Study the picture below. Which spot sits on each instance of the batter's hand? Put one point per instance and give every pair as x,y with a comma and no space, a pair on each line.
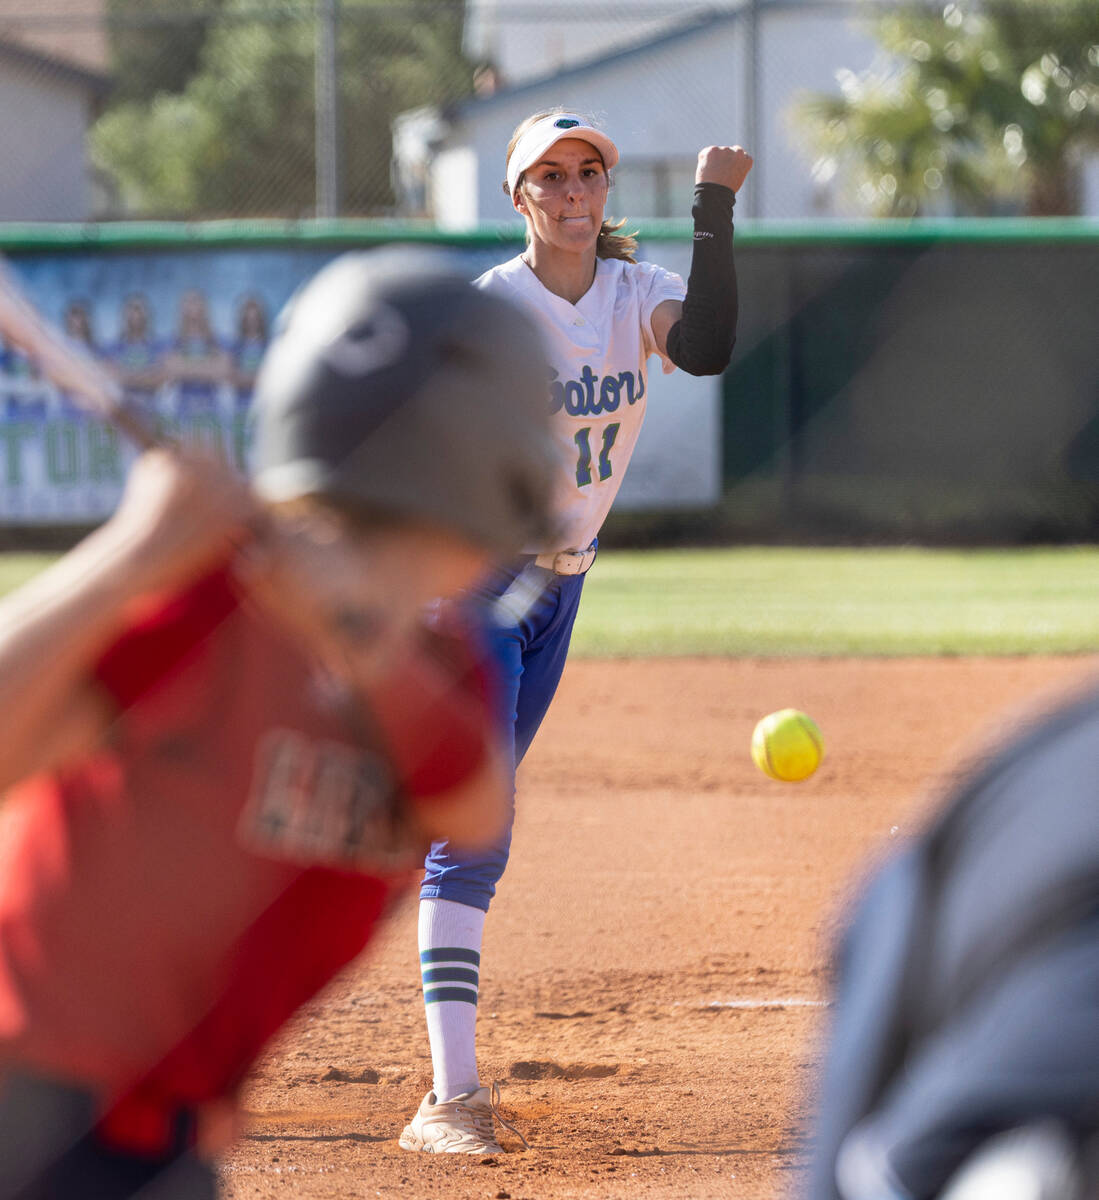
727,165
182,512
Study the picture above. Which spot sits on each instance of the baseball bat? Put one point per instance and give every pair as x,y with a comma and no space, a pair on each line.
517,601
67,364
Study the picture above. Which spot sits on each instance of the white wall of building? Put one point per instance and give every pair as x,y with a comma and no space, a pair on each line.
640,100
677,461
664,102
1089,186
800,52
43,120
455,188
525,40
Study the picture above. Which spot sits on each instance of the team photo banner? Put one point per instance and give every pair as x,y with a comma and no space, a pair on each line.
184,333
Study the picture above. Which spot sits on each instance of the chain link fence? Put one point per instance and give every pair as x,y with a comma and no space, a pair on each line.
884,385
116,109
224,109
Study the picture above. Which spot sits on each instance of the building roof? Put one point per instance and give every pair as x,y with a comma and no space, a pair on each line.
71,31
95,82
699,22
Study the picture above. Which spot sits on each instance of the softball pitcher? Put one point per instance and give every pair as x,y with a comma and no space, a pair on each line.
602,315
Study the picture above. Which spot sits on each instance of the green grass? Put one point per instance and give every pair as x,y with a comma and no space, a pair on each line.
766,602
18,568
779,601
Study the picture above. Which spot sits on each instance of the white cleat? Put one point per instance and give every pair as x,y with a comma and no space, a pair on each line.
464,1125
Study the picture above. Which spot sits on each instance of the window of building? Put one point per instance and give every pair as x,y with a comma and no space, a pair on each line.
652,188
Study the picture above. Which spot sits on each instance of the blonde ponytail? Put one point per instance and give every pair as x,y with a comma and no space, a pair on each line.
612,244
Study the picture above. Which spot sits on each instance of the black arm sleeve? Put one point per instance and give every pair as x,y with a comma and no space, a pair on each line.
701,341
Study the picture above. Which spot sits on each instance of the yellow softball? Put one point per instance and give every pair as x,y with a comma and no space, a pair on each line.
787,745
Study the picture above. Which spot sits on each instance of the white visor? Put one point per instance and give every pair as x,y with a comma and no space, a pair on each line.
533,144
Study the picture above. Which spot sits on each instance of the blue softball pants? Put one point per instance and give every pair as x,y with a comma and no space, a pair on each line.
530,656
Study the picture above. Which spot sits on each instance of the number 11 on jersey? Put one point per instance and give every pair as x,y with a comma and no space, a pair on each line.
582,439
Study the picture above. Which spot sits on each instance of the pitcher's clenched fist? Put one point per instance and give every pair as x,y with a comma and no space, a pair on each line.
727,165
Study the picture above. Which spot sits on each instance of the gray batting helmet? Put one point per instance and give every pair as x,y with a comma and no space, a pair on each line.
394,385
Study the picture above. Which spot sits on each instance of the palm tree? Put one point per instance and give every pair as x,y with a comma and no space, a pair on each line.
980,108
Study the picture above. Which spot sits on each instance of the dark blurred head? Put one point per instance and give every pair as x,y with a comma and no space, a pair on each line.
394,386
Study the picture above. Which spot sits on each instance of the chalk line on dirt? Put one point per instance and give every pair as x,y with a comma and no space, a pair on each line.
783,1002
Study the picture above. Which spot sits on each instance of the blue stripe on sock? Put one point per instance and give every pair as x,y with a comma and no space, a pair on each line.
451,975
450,954
435,995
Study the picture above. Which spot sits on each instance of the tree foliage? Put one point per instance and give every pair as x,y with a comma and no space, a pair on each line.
982,107
140,37
238,139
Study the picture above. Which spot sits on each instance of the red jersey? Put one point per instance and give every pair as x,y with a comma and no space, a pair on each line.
167,903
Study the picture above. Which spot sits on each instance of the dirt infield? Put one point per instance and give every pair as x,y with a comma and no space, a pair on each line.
654,965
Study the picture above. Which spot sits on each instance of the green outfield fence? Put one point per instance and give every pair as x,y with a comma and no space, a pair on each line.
929,381
22,237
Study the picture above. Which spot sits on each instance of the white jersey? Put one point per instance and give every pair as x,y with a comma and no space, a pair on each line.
598,350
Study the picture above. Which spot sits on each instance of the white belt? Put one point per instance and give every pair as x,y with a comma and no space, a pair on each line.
567,562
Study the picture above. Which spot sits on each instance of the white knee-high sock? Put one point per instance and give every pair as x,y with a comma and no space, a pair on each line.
450,963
